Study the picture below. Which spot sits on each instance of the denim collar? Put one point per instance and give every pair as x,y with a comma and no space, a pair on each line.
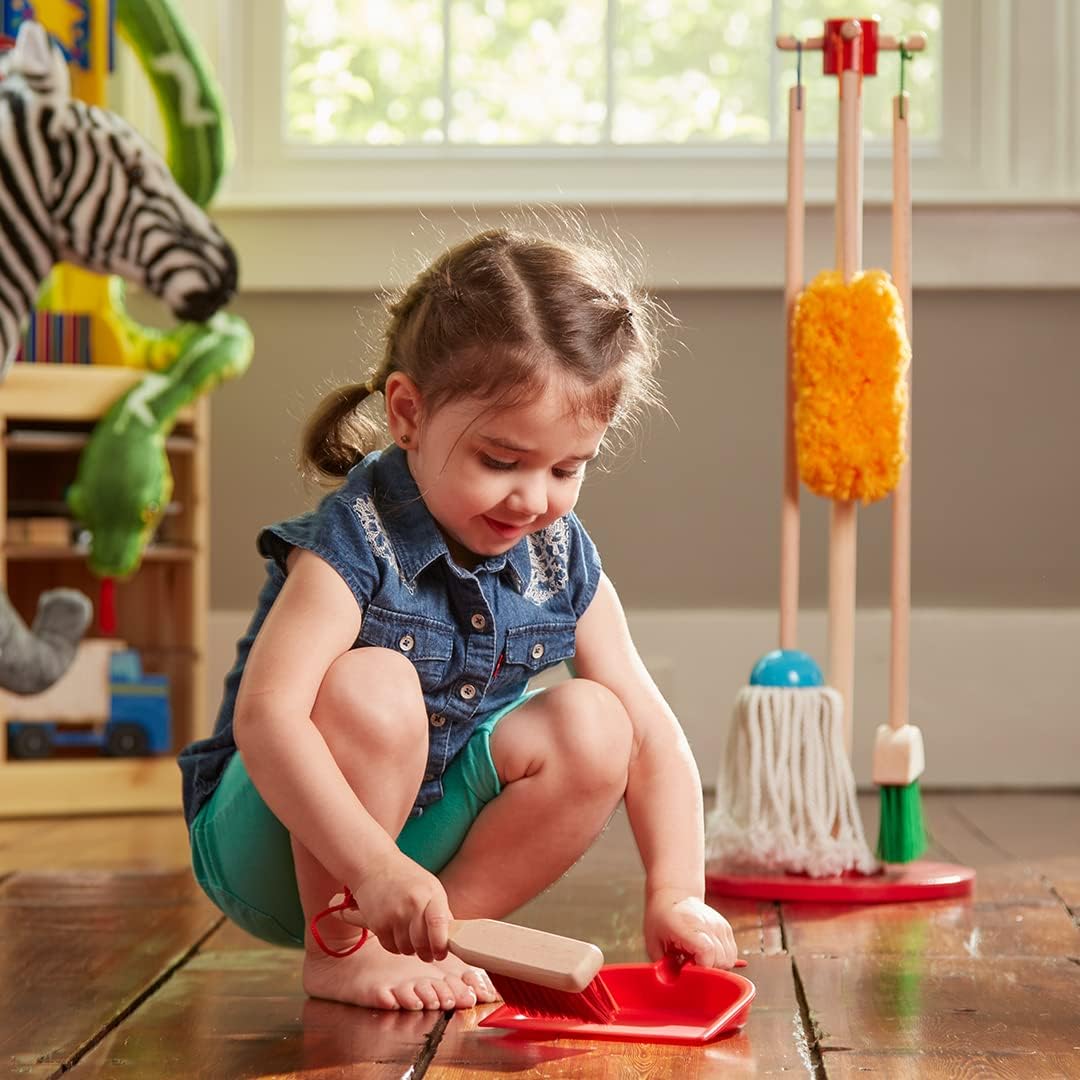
416,537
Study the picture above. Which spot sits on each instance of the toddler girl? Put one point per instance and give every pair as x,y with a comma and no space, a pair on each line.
387,741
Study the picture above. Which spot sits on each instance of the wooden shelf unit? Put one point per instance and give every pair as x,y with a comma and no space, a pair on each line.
46,415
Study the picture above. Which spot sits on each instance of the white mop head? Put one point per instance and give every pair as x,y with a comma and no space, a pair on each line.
899,757
785,795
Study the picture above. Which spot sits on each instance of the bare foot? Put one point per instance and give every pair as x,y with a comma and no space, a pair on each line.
379,979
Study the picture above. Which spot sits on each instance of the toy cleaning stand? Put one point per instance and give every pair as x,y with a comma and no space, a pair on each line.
786,824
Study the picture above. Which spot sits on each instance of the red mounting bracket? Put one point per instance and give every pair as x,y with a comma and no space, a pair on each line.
851,45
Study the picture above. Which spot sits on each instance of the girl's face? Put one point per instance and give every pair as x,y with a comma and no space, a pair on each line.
490,477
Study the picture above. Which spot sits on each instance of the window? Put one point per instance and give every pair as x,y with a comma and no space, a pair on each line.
489,102
576,73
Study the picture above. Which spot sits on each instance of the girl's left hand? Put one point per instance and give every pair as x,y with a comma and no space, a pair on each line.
684,924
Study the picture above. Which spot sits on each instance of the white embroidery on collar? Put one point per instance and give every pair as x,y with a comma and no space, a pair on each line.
549,556
375,531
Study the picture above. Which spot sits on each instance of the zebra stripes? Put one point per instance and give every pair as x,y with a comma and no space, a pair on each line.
26,249
78,184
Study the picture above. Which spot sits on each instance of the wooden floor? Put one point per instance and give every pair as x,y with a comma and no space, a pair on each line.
112,964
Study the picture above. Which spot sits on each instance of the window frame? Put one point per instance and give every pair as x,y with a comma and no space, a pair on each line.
996,204
270,168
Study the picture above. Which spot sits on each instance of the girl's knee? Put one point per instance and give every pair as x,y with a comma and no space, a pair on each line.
372,694
591,731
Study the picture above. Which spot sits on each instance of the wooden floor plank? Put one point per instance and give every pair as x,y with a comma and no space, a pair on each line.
228,937
1034,825
891,989
77,949
953,836
1025,1065
1013,913
899,1015
243,1013
765,1047
1063,877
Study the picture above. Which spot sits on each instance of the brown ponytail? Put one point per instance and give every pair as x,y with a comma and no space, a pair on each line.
337,435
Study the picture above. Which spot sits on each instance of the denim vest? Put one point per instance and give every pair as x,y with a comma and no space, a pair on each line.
475,637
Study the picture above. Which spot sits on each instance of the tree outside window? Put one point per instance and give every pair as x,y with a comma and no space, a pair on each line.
580,73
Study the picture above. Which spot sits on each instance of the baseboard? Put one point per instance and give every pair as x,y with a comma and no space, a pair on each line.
991,689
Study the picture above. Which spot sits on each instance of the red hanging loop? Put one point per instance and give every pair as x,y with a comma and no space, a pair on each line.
348,902
107,607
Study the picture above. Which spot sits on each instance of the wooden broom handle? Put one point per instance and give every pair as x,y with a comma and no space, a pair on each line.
842,519
793,283
900,634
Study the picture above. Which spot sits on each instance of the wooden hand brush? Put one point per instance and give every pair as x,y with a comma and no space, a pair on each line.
539,974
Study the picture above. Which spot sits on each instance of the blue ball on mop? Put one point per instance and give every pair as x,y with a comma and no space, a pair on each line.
789,668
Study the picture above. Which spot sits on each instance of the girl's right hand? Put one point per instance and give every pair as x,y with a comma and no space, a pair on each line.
404,906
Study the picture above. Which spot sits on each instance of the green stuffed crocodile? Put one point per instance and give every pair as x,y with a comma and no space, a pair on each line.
123,483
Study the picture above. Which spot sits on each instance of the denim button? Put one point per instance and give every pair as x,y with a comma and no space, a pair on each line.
468,691
406,643
478,621
437,719
538,650
428,777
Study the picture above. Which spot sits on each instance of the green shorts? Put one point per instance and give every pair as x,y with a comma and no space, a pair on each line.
242,855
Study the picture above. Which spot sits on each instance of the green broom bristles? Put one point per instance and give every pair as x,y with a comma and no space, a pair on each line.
902,836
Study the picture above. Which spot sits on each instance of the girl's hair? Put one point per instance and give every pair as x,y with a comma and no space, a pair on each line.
496,317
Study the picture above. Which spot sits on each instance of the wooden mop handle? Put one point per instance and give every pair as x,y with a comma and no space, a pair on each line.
850,48
843,532
793,283
900,634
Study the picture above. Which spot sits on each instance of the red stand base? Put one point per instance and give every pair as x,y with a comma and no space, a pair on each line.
895,883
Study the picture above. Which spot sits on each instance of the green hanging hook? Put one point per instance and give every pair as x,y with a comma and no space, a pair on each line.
905,56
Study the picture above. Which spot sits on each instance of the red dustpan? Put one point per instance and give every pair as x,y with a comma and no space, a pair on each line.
699,1005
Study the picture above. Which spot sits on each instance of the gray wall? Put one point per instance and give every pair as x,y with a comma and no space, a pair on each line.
688,516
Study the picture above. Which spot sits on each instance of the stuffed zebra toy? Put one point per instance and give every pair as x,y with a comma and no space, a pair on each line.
78,184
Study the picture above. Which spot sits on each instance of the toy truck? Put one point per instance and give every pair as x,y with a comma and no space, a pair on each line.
104,701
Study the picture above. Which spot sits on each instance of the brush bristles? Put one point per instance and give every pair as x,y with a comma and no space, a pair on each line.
593,1005
902,836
